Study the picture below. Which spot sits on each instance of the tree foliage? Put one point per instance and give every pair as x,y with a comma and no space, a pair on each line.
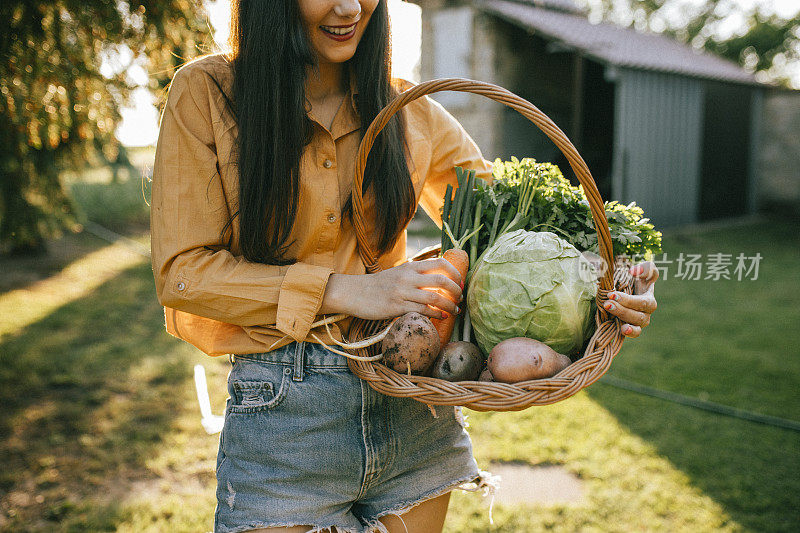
766,44
60,101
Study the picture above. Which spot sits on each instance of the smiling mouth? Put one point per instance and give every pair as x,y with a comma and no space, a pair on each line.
338,31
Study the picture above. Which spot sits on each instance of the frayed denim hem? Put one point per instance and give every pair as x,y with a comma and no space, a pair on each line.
484,480
314,529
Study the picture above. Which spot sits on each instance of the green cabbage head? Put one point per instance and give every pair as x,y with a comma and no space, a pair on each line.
535,285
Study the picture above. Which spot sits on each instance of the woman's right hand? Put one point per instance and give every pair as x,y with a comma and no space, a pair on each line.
426,286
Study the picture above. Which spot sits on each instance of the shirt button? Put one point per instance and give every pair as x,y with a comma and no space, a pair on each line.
331,218
327,163
181,286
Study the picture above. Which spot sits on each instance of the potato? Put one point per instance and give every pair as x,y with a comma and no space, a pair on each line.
486,376
412,340
521,359
458,361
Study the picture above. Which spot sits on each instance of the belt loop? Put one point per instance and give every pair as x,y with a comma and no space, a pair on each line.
299,354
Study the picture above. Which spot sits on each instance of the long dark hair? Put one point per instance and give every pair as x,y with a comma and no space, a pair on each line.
269,56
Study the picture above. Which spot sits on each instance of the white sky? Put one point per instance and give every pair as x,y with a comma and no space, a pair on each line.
735,21
140,123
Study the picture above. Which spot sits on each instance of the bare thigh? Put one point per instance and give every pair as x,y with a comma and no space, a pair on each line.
427,517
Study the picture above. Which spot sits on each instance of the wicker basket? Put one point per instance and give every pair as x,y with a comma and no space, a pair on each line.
480,395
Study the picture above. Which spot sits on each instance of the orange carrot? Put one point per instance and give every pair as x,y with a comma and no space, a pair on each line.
459,259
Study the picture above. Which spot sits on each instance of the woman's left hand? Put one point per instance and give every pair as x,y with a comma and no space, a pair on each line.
635,309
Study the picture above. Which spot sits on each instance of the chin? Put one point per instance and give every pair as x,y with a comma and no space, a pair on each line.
339,57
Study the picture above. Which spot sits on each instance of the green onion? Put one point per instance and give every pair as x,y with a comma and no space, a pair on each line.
455,216
448,204
496,220
466,209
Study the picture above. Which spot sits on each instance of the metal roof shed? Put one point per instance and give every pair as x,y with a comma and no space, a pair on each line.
683,126
673,149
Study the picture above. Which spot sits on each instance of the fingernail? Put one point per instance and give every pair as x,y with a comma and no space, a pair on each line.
626,329
458,310
609,306
612,295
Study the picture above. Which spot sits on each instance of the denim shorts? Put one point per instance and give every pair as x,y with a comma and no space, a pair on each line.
306,442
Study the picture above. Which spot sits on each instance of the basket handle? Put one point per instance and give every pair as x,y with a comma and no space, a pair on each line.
526,109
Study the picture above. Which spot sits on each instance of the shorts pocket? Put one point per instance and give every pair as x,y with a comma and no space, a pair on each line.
257,395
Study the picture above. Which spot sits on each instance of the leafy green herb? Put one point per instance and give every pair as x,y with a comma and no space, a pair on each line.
549,202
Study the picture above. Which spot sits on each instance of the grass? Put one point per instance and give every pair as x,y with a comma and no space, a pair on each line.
655,466
733,342
120,204
100,428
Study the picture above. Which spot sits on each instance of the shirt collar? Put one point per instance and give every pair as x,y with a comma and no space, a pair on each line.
347,118
351,119
353,89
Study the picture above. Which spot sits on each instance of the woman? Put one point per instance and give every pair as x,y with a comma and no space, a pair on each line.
252,241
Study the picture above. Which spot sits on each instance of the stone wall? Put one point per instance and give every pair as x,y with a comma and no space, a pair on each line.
779,153
479,115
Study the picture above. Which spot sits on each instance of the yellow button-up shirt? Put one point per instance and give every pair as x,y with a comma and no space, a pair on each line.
213,297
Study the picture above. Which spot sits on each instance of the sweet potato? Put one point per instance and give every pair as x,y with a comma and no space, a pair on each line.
412,342
521,359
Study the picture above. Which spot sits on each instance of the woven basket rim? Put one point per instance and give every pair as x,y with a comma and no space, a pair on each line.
600,349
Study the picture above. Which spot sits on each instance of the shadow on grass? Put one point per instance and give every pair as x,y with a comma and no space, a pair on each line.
731,342
22,272
753,471
88,394
120,206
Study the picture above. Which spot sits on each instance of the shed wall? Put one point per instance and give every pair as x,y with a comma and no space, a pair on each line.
479,115
778,150
725,171
657,140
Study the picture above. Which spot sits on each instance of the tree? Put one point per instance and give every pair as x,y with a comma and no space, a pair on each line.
767,44
59,101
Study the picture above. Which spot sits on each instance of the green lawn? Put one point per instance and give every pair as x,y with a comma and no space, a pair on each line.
121,204
100,428
655,466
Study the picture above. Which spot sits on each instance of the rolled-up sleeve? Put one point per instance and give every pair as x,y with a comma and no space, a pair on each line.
302,290
451,146
194,272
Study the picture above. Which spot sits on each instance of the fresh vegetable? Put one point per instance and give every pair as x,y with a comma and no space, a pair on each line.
444,326
459,259
457,230
557,205
411,344
534,295
520,359
458,210
486,375
458,361
536,285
